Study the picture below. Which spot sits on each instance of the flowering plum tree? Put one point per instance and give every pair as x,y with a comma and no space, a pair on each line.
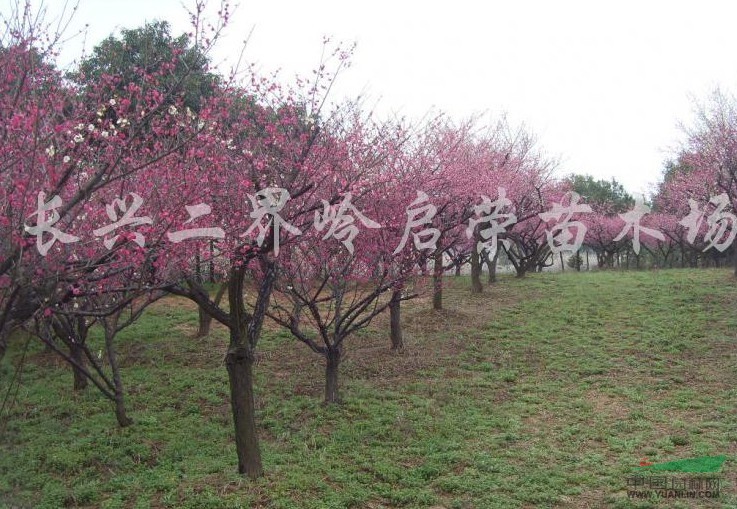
359,257
528,247
601,230
706,171
65,152
264,180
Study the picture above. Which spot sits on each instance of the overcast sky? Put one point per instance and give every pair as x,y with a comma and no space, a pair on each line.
602,85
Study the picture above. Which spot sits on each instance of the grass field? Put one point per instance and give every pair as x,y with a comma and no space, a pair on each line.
542,392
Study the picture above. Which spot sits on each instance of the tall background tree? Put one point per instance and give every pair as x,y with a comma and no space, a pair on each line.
151,50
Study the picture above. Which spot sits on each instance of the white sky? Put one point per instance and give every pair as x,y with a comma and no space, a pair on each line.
603,85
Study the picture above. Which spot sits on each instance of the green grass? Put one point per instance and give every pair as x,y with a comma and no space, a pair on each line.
542,392
704,464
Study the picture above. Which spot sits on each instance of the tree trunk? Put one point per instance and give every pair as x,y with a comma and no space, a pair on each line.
4,340
332,364
239,362
587,260
72,333
120,414
395,321
734,259
5,326
437,280
476,286
198,269
491,266
211,268
76,352
458,269
205,320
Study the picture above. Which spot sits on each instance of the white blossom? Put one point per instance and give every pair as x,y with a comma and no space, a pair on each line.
78,138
